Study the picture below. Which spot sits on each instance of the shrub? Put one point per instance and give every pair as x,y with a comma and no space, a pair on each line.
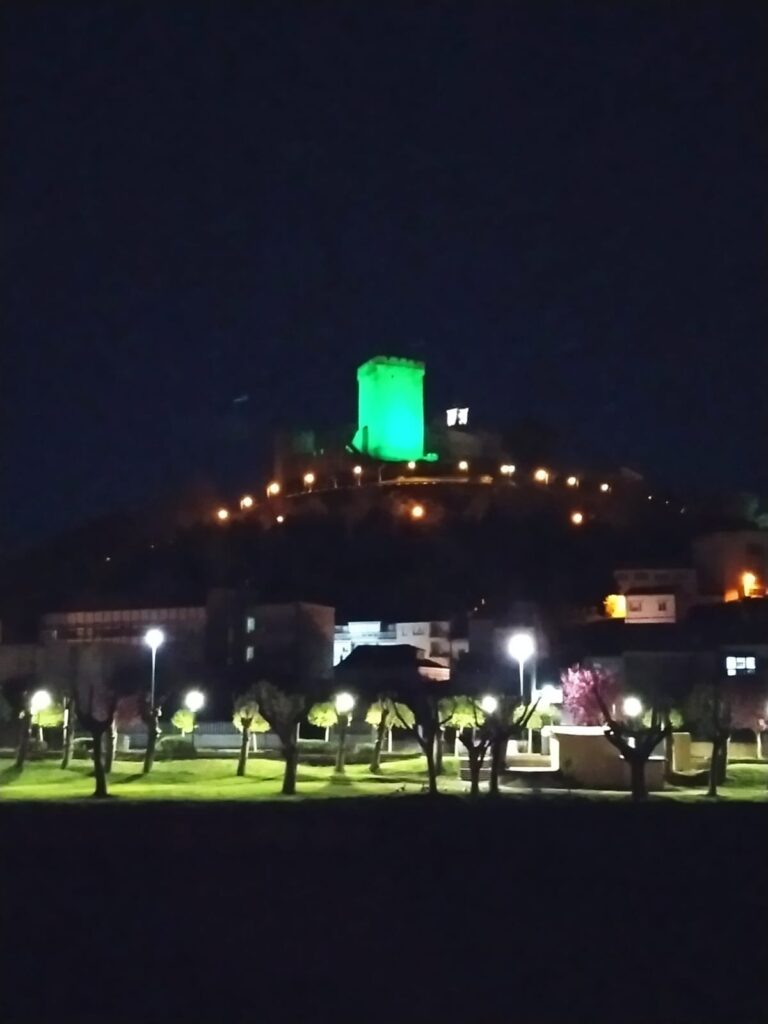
173,748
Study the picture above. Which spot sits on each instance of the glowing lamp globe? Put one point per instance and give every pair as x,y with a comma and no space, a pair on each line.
154,638
40,701
489,704
194,700
632,707
344,702
521,646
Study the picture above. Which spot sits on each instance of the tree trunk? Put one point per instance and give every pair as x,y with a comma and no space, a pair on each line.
25,729
714,767
429,754
497,761
69,733
439,752
759,745
341,750
376,756
152,734
637,778
669,755
243,759
100,775
291,752
475,764
111,743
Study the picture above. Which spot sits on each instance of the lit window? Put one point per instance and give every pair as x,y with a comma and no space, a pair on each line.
451,417
249,653
250,624
736,665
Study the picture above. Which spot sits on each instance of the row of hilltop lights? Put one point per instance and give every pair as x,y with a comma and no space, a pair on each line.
417,512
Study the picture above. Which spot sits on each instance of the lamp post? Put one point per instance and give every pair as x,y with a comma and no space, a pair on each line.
521,647
344,703
154,639
194,701
40,700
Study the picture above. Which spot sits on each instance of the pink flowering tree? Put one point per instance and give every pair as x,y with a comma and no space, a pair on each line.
581,687
591,696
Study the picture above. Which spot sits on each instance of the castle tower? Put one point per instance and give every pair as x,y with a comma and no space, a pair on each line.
390,409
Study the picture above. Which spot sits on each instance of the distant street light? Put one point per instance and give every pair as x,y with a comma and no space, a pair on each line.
279,519
154,638
463,466
194,701
541,476
358,471
417,512
246,501
309,479
489,704
572,481
632,707
273,489
40,700
605,488
222,514
521,647
411,464
344,704
577,518
507,469
551,694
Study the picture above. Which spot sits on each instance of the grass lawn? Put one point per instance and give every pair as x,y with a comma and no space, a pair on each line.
214,779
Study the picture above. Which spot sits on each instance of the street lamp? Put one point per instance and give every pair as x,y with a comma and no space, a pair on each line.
541,476
309,479
577,518
463,466
417,512
521,646
604,487
273,489
358,471
632,707
411,464
194,701
507,469
246,501
489,704
222,514
344,703
154,638
572,481
40,700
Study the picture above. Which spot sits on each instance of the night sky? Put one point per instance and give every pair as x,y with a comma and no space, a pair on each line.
560,207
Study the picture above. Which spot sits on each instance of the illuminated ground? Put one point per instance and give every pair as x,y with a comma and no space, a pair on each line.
215,779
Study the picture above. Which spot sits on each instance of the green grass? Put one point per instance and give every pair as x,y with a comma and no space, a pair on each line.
215,779
212,779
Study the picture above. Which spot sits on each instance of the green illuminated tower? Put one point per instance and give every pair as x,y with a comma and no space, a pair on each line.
390,419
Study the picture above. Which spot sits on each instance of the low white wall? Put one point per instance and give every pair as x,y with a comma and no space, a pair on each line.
584,757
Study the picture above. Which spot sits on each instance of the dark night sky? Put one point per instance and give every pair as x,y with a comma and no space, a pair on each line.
561,207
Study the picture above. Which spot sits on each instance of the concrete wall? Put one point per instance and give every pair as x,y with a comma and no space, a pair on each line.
584,757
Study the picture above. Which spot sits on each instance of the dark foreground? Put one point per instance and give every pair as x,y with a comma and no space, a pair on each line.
385,910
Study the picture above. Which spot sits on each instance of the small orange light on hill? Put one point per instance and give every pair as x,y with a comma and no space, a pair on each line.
577,518
572,481
463,466
279,519
222,515
541,476
273,489
417,512
411,464
605,488
246,501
